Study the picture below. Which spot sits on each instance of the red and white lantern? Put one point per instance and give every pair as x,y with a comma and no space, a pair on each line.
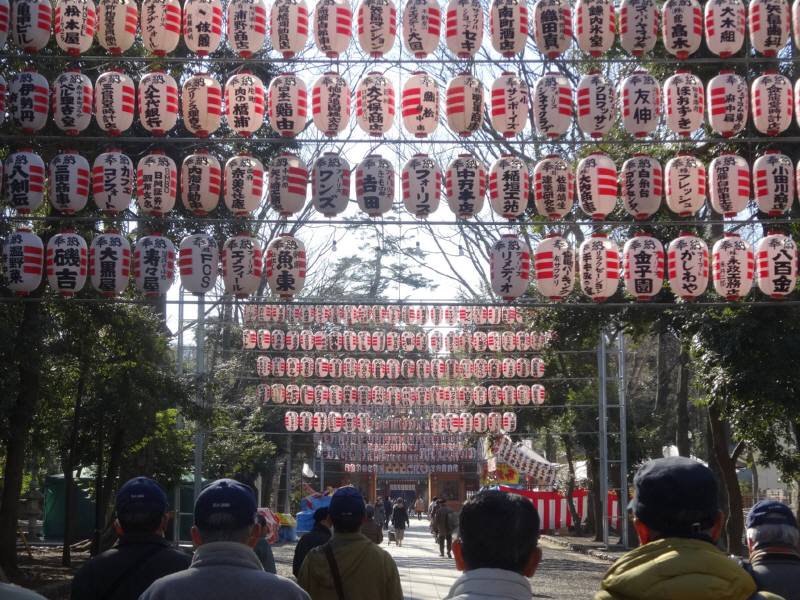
733,266
375,106
330,103
641,186
117,21
769,25
330,184
333,26
725,24
596,184
201,181
109,263
422,23
729,184
510,104
69,182
375,185
599,267
595,25
288,104
774,180
422,184
554,265
73,97
75,24
23,254
242,266
30,24
464,104
686,184
112,182
198,261
552,27
465,186
681,27
161,25
23,180
288,26
641,103
776,255
377,26
552,104
66,261
509,421
420,104
114,101
201,104
684,99
158,102
154,265
29,95
244,103
291,420
687,266
244,184
464,31
638,26
202,26
156,184
508,26
509,267
288,183
247,26
643,266
509,186
553,187
728,105
771,99
286,265
596,102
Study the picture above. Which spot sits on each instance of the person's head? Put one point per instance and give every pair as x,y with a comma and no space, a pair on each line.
225,511
498,531
347,510
370,512
323,517
141,507
771,523
675,497
441,501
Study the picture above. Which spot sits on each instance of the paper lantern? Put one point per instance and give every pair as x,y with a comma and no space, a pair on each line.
154,265
509,421
333,26
465,186
244,103
377,26
733,266
244,184
599,267
201,181
66,263
278,339
796,23
465,104
727,103
247,26
686,184
771,99
420,104
288,26
552,27
330,184
776,256
161,25
769,25
28,99
201,104
773,177
112,182
509,266
288,180
109,263
30,24
641,103
375,185
596,105
23,254
684,96
725,25
681,27
643,266
202,26
158,102
641,186
116,24
729,184
638,26
198,261
508,26
114,100
69,182
75,23
375,104
509,186
595,26
330,103
23,180
554,266
291,420
286,265
510,104
596,184
552,105
422,22
537,368
687,266
73,97
241,266
464,30
156,183
422,183
250,342
288,104
494,422
553,187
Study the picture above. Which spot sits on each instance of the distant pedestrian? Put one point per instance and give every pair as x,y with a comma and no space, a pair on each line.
400,520
224,564
263,548
380,514
444,527
142,554
497,548
370,528
419,507
432,517
319,534
387,511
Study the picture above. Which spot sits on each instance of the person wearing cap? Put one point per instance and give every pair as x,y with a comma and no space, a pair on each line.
224,564
400,520
319,534
497,548
773,540
370,528
677,518
140,556
349,566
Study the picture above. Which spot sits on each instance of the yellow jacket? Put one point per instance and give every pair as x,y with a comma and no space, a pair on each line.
678,569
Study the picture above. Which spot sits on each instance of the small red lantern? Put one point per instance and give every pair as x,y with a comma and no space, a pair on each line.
198,261
333,26
420,104
465,104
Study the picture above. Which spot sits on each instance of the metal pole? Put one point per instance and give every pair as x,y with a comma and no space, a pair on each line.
623,440
287,505
176,501
200,434
321,468
602,433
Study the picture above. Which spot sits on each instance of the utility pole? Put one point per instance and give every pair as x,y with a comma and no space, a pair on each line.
623,439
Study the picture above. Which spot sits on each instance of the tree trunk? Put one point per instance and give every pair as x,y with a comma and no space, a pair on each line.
576,519
596,501
682,428
69,465
98,495
734,525
754,471
662,381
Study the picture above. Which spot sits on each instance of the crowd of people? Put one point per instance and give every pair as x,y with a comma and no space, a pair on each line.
675,514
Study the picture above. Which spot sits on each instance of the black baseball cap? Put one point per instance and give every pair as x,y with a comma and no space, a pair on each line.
228,497
141,494
770,512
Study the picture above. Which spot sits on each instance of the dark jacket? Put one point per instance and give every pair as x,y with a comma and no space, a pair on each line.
400,517
263,551
444,525
316,537
372,531
128,569
776,570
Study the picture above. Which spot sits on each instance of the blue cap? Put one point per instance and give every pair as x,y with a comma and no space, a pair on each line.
347,503
234,502
141,494
770,512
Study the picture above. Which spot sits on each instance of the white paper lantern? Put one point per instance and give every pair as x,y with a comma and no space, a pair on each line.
422,184
288,104
28,100
599,267
769,25
725,26
552,104
114,101
465,186
509,186
377,26
596,105
330,103
641,186
508,26
638,26
375,185
286,265
23,180
242,266
684,99
422,22
75,23
375,105
154,265
244,184
554,266
247,26
198,261
510,104
288,183
509,267
686,184
727,103
552,27
643,266
69,182
201,181
30,24
109,263
330,184
776,257
464,27
161,25
774,182
595,25
73,97
681,27
733,267
156,184
112,182
687,266
553,187
244,103
464,104
117,21
420,104
641,103
23,261
333,26
158,102
729,184
596,184
66,262
771,99
201,104
288,26
202,26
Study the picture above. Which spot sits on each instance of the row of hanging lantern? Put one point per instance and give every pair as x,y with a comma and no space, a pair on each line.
108,262
643,265
402,468
393,442
349,422
427,455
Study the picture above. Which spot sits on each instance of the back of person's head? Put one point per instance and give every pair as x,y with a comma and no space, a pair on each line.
347,510
772,524
140,506
370,511
498,531
320,515
225,511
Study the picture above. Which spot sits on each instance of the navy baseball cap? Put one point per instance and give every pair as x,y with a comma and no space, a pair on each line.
347,503
141,494
770,512
234,501
675,495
